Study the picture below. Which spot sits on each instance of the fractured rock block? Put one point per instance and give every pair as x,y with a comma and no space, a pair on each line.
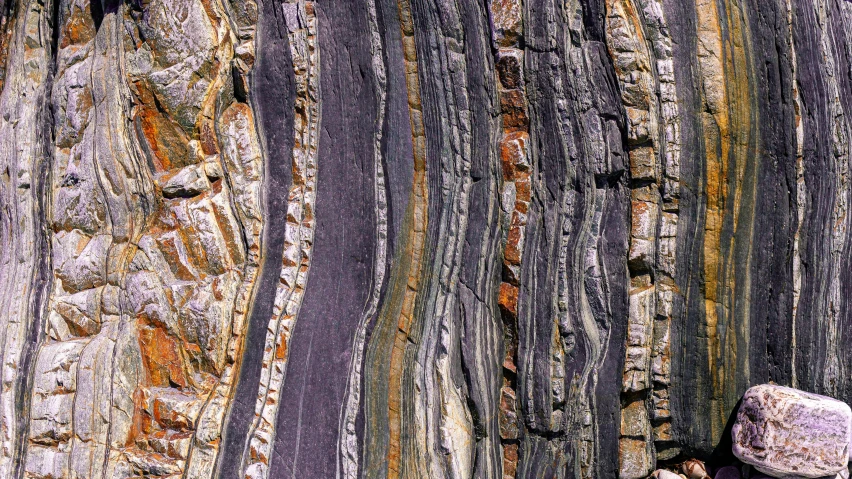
785,432
639,336
636,460
185,183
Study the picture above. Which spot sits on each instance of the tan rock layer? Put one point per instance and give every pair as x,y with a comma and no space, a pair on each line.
26,59
404,297
641,52
147,302
728,131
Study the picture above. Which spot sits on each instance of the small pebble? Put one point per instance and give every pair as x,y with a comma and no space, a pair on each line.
664,474
694,469
729,472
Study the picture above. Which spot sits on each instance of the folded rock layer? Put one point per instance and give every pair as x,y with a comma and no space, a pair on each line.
414,238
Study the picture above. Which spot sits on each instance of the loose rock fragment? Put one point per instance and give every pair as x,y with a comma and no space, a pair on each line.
186,183
694,469
785,432
664,474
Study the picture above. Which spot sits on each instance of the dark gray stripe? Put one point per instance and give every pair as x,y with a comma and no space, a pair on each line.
273,96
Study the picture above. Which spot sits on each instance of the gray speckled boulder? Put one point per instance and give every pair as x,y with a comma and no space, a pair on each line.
785,432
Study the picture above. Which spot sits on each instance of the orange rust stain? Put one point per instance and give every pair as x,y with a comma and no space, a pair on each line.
212,13
508,298
523,192
143,423
78,29
281,350
508,165
514,110
167,417
512,253
168,143
221,215
5,37
510,460
513,154
162,358
507,17
258,456
640,211
170,250
516,171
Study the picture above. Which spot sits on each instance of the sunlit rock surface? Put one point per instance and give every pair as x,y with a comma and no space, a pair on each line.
785,432
414,238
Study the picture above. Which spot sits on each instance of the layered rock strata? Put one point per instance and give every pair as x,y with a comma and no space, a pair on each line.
414,238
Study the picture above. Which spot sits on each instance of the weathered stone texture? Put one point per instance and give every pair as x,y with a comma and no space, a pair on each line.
414,238
785,432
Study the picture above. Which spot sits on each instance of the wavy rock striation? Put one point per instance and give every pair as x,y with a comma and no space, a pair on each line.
414,238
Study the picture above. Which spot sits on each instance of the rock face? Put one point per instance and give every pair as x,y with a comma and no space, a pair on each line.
785,432
414,238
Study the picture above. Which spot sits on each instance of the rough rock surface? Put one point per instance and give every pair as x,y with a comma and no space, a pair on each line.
728,472
414,238
785,432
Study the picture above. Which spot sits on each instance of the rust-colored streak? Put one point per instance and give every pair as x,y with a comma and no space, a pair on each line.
162,358
416,221
514,111
7,26
507,23
79,29
727,125
168,144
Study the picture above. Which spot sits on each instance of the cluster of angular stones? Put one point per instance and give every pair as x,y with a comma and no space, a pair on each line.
641,49
145,312
515,196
